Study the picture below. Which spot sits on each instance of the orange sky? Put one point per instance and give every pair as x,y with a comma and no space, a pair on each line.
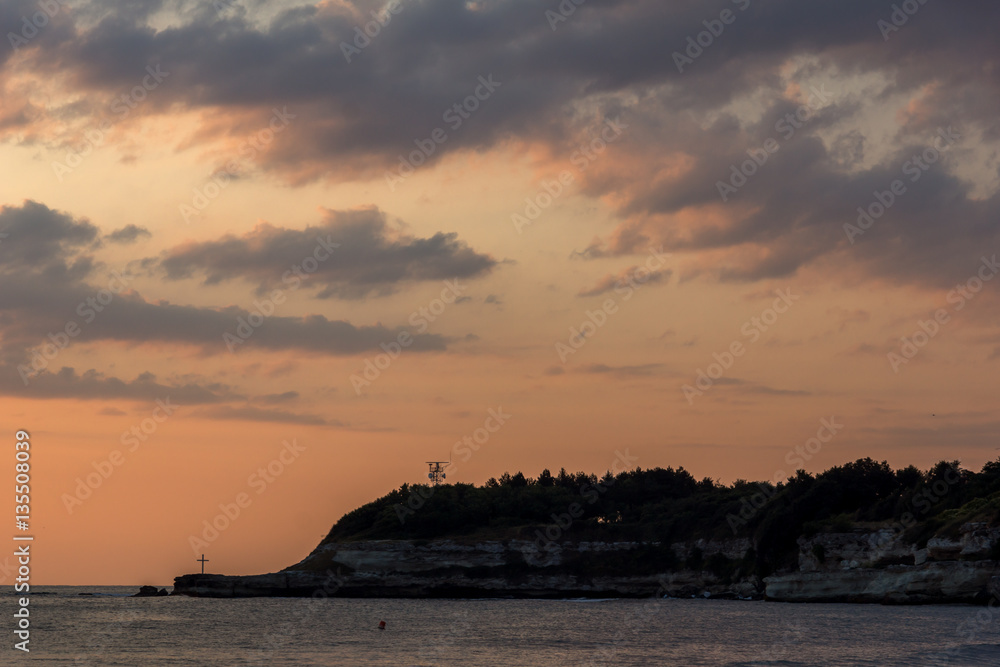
635,239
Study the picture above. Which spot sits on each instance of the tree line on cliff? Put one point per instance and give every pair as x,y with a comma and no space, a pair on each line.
658,505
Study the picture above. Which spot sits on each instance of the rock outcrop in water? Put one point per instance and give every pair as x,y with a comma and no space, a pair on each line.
855,533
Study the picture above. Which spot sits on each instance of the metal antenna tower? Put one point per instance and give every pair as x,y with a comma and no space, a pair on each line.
436,471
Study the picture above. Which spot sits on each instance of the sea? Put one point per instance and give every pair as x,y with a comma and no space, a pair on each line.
81,625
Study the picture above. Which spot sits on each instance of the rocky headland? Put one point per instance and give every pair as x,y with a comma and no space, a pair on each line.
873,567
859,533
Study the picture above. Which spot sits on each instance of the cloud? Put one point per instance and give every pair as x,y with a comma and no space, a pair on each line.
56,275
772,391
745,387
111,412
277,398
633,275
353,254
94,385
864,349
45,242
889,95
625,371
52,280
230,413
128,234
847,317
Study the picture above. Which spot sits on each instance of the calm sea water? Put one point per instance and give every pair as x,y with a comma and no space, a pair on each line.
110,629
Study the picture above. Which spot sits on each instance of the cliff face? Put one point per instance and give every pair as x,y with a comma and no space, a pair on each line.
936,583
861,566
879,566
448,568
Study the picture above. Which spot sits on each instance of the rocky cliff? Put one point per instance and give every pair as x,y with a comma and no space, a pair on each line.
857,566
511,568
880,566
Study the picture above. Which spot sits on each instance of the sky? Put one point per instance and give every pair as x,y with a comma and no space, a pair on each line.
261,262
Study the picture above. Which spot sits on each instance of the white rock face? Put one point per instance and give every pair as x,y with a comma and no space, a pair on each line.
878,566
399,568
862,566
941,582
848,551
734,549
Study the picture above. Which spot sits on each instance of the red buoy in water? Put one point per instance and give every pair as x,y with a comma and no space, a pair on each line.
381,625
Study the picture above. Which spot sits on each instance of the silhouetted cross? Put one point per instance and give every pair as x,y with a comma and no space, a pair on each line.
202,560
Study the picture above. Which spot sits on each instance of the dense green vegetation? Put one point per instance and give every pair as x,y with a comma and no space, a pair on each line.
666,505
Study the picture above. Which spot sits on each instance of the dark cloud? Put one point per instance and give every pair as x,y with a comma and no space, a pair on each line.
43,242
227,412
351,254
772,391
626,371
277,398
848,317
128,234
745,387
137,320
93,385
355,119
52,281
624,279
